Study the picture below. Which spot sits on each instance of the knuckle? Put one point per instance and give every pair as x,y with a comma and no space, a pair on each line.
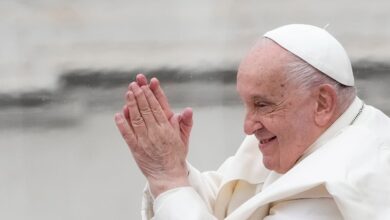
148,93
159,94
131,104
138,93
137,121
145,111
127,136
155,110
129,139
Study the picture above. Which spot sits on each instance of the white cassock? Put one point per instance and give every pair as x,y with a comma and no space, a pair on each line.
345,174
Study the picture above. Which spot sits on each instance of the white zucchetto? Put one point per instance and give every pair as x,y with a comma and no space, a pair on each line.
317,47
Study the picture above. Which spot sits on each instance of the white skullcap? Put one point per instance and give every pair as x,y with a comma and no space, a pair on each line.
317,47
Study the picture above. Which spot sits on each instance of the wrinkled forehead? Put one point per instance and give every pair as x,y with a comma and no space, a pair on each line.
266,62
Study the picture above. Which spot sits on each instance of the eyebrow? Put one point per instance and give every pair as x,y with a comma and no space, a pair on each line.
259,97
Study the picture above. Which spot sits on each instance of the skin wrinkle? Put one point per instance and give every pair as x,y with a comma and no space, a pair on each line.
287,108
157,138
287,113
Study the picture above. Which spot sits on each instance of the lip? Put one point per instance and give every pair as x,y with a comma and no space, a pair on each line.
265,144
266,140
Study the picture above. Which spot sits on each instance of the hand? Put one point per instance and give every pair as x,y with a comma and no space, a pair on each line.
154,141
185,118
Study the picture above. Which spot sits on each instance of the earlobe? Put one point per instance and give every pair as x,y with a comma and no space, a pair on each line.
326,105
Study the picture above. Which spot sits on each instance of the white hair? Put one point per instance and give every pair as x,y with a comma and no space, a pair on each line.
306,77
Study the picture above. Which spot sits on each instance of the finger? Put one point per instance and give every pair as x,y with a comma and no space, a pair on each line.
143,105
160,96
136,120
186,123
126,131
141,80
125,112
127,92
187,117
155,106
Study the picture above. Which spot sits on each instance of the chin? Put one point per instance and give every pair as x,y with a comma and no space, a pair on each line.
269,164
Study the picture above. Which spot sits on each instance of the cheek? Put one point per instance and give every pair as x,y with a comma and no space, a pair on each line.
299,130
298,136
277,123
304,123
292,131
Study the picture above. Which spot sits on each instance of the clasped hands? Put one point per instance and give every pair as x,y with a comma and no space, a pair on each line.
157,138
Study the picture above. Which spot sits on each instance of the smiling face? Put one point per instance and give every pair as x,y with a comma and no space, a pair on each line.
278,113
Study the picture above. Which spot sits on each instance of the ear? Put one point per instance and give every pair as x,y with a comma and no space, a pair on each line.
325,105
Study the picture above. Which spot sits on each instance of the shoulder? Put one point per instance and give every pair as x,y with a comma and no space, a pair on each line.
362,160
376,121
354,168
355,148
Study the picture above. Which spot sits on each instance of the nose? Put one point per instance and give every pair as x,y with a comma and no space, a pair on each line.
251,124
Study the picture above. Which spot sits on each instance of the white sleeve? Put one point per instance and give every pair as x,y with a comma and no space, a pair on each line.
181,203
204,189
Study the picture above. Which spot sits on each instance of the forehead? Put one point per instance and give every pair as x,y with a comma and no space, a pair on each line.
263,69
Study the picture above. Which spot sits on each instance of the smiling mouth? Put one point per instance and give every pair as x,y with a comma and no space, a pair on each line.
264,141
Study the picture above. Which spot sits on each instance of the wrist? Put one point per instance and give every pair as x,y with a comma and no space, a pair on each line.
160,185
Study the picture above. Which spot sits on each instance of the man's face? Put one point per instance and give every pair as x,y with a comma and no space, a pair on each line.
279,114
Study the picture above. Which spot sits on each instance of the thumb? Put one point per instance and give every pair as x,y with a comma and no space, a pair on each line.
186,121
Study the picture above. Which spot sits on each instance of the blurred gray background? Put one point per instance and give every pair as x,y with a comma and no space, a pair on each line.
65,65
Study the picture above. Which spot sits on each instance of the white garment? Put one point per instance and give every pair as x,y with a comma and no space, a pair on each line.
345,174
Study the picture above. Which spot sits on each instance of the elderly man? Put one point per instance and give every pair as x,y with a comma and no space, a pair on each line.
314,150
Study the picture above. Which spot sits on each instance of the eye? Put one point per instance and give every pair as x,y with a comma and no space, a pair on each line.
263,107
261,104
